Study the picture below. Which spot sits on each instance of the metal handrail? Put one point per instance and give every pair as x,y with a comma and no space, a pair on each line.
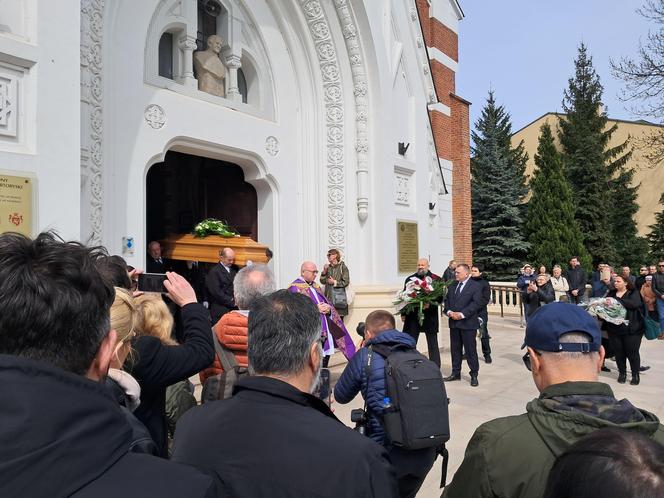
507,296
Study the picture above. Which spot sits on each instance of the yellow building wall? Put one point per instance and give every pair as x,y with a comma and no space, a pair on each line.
650,177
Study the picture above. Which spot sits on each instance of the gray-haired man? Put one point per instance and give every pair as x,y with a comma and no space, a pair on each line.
251,282
512,456
267,439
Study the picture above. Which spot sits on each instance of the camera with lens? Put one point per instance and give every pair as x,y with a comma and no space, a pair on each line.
360,329
359,416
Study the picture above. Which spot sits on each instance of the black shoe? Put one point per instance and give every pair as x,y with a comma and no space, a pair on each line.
605,369
452,377
635,379
487,359
473,381
622,378
644,368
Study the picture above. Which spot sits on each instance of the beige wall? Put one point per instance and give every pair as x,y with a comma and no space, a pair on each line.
650,178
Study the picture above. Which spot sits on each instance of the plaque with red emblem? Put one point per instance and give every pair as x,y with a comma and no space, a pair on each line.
16,204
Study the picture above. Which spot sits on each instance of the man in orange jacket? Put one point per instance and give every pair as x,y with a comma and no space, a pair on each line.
250,283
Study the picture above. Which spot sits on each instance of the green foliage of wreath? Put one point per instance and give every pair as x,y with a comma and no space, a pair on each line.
212,226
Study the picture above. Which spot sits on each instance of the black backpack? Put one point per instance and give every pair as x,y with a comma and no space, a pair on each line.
418,416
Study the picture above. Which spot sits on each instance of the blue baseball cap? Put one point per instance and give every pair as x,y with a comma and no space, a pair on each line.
549,322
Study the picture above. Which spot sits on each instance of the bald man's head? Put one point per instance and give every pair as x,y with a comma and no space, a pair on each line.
309,271
227,256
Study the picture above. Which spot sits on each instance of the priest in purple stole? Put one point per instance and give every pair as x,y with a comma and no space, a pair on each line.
334,331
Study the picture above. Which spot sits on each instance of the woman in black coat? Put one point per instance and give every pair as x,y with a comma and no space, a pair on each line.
158,365
538,293
626,339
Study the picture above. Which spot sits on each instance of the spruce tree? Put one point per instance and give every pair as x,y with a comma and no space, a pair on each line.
498,189
630,249
552,231
656,235
591,165
520,161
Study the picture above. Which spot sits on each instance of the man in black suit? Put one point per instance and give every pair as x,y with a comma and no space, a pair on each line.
429,326
219,285
155,263
463,302
483,314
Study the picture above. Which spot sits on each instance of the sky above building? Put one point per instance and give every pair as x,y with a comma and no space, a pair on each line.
524,51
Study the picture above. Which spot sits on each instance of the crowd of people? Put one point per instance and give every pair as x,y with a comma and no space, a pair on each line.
97,402
641,297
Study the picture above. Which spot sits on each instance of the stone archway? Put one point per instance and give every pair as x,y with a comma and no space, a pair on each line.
185,189
329,129
237,186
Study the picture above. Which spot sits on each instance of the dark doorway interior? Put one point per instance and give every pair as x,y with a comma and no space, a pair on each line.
186,189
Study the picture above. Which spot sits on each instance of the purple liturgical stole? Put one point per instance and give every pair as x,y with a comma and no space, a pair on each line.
333,328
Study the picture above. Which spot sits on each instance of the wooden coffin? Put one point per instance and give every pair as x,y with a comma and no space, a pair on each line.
189,248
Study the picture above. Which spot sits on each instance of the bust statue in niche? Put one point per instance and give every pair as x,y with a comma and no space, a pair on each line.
210,71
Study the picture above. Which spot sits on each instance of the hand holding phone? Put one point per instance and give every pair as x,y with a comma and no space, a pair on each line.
179,290
152,282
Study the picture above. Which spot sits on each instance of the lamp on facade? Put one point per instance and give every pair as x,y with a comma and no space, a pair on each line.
403,148
212,7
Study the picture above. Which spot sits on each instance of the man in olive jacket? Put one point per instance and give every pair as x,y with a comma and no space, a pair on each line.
512,456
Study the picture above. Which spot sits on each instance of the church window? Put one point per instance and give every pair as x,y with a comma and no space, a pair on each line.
242,85
208,12
166,55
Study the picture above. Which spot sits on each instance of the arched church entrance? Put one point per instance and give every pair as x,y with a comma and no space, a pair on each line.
185,189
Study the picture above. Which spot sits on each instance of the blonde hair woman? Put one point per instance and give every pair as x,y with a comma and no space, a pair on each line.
154,318
124,388
161,362
123,321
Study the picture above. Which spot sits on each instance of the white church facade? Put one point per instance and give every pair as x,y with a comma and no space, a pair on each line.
327,132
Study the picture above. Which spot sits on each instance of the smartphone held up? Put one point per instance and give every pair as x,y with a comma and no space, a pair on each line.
152,282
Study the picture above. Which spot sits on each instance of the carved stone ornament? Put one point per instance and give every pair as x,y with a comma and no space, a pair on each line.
402,190
335,134
422,55
437,187
155,116
360,92
92,29
8,104
272,145
331,76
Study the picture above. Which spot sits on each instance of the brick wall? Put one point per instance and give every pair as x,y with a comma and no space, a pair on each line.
441,125
436,34
444,81
461,194
451,133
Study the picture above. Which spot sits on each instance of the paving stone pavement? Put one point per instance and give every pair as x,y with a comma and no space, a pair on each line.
506,386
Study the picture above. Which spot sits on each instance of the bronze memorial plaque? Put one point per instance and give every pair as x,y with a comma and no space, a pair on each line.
16,204
407,247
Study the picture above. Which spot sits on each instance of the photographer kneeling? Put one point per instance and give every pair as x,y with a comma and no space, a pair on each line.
368,377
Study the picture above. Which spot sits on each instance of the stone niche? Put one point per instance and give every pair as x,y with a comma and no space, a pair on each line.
234,69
